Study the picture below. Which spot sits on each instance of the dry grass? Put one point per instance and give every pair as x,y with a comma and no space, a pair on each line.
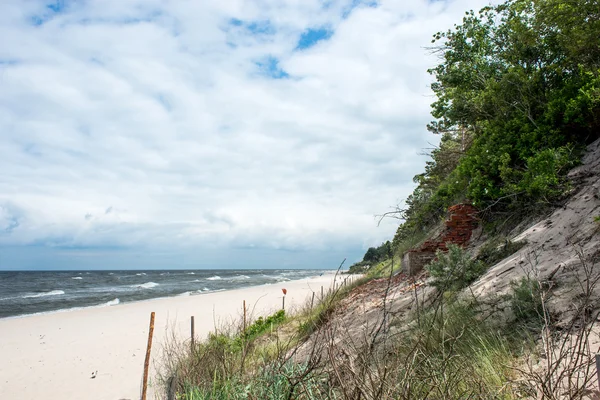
454,347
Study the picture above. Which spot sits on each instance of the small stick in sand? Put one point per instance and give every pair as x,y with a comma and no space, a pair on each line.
284,293
147,361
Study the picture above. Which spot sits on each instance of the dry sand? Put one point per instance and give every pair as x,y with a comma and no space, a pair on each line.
52,356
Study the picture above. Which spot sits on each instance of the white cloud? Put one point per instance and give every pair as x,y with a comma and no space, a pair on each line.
158,111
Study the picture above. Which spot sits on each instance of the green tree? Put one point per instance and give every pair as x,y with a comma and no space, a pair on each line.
517,94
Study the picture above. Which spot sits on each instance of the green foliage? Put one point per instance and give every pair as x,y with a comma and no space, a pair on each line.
451,353
262,325
373,256
517,97
269,384
498,249
526,303
454,269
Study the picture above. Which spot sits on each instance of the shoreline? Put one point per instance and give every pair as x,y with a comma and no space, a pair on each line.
144,291
52,355
121,303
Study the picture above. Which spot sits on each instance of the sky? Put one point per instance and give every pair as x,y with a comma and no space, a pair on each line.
210,134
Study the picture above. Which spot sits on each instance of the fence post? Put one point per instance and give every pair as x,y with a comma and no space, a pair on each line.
321,293
312,301
192,328
244,315
147,361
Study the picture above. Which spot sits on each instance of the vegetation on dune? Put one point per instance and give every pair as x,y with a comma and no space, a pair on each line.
457,346
454,270
372,257
518,94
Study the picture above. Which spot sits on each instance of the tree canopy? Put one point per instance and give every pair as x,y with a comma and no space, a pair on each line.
517,96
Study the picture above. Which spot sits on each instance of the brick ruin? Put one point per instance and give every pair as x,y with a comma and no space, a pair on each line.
459,229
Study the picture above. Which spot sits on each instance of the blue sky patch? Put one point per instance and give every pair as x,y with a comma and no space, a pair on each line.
8,62
51,9
164,102
358,3
270,67
56,6
254,27
310,37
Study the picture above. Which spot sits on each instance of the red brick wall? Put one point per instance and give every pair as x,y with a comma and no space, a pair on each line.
459,228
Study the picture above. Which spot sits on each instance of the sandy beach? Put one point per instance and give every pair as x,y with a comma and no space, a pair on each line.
53,356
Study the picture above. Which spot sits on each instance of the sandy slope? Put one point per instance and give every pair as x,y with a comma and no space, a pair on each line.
52,356
556,243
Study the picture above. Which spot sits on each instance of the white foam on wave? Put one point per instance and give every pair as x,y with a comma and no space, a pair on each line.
113,302
147,285
51,293
191,273
184,294
213,278
76,277
141,274
240,277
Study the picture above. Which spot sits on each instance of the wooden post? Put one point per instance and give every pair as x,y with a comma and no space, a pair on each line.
283,305
312,301
192,328
244,315
147,361
321,293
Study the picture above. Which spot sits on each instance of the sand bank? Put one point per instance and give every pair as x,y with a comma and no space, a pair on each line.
53,356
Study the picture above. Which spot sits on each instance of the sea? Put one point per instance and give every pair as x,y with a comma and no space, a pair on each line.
34,292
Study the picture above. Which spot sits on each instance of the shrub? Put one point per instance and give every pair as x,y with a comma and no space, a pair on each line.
263,324
498,249
526,303
454,270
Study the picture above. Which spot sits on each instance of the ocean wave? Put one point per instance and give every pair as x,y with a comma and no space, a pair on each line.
51,293
196,280
191,273
76,277
147,285
113,302
239,277
214,278
141,274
